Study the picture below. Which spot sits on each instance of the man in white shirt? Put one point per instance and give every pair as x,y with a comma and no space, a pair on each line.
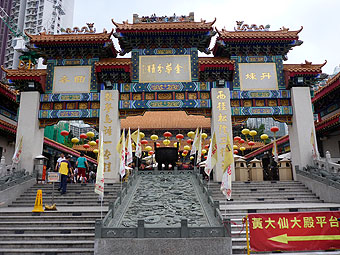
62,157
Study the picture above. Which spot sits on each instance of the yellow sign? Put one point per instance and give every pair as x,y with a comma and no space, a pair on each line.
38,206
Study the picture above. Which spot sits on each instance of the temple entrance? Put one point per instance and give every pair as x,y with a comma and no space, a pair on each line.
245,78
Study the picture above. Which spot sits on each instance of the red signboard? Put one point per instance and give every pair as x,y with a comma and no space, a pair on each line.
294,231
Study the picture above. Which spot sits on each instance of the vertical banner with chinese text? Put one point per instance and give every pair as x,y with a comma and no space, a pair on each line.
109,124
294,231
221,125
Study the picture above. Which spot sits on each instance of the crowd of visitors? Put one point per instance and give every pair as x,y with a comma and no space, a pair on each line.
72,171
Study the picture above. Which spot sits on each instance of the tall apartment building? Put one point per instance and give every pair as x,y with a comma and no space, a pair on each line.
36,16
7,6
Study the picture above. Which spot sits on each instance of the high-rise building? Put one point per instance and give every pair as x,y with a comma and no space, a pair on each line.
34,16
7,6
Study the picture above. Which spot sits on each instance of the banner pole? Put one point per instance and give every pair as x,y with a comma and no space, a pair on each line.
247,236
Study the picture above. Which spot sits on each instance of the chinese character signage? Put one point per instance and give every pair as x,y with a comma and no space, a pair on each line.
294,231
108,127
165,68
72,79
258,76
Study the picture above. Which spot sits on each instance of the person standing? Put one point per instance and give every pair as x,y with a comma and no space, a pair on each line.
61,157
82,166
64,169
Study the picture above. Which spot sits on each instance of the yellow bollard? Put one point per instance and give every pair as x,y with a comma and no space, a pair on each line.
38,205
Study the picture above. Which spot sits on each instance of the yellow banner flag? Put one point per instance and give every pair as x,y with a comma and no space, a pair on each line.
120,143
228,155
134,136
195,143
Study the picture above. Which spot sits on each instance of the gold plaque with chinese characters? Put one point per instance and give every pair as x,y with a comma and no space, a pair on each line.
72,79
258,76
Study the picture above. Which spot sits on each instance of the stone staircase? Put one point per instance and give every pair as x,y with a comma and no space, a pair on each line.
69,230
266,197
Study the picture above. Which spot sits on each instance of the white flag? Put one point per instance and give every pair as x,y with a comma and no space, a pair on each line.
193,147
99,187
129,156
226,183
212,156
17,153
199,147
122,156
138,152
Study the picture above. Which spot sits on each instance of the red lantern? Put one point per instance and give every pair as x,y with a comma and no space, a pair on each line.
235,151
97,141
86,146
185,152
251,143
150,153
158,144
206,146
189,141
167,134
179,136
144,142
237,138
83,136
241,141
274,129
205,157
64,133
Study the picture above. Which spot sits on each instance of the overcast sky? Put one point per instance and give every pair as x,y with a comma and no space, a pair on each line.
320,19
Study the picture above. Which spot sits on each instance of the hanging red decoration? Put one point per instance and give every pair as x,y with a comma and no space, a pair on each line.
167,134
179,136
83,136
144,142
274,129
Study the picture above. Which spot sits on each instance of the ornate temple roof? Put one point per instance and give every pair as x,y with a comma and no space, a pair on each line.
220,61
108,63
165,120
307,67
5,126
328,123
163,26
283,34
75,37
331,84
9,93
25,74
253,40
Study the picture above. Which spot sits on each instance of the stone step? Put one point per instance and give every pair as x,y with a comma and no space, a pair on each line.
47,244
77,236
59,251
58,197
70,203
48,218
269,200
48,223
46,229
19,212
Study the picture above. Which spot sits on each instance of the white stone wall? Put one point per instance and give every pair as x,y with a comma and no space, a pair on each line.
301,128
28,128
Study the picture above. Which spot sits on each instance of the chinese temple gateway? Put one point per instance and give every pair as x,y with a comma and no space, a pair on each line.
86,80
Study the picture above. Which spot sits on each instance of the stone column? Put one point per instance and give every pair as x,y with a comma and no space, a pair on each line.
301,129
221,125
109,124
28,129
